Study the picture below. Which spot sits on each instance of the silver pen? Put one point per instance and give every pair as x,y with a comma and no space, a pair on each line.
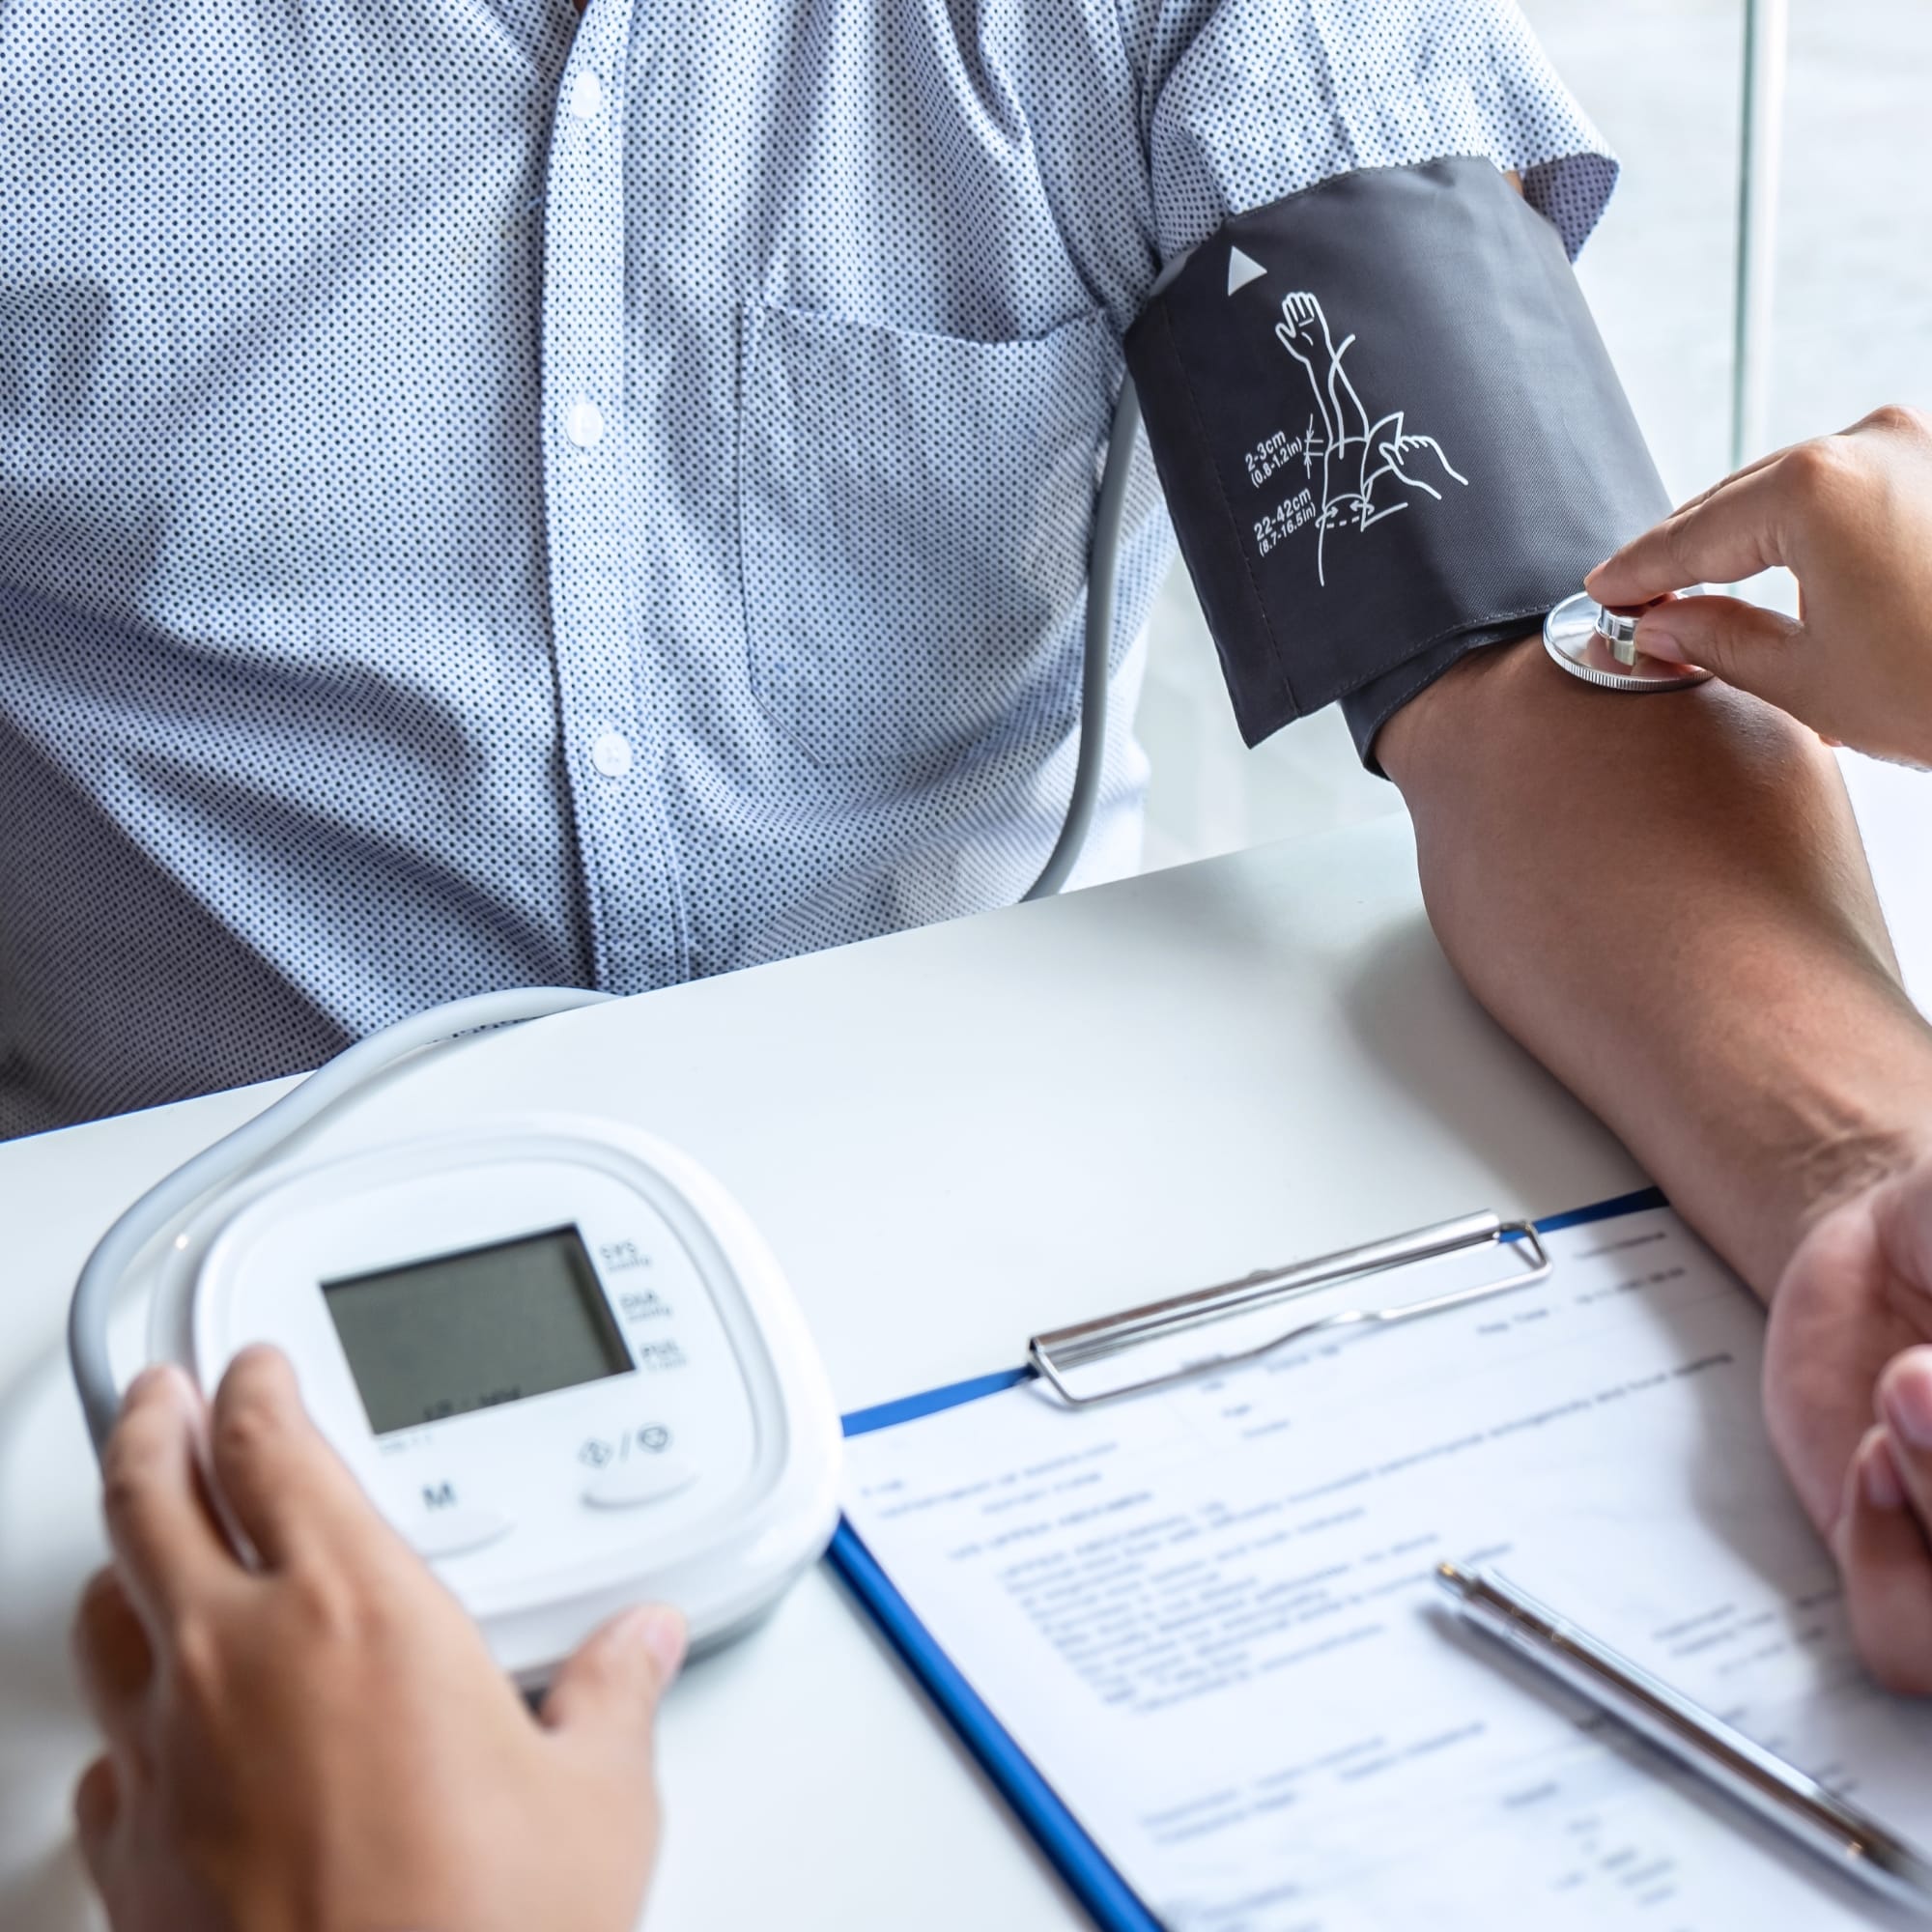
1804,1810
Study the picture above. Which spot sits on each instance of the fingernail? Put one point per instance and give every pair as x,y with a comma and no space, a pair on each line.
1879,1474
1908,1400
661,1631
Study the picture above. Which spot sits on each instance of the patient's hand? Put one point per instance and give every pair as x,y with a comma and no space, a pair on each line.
1848,1394
1851,516
325,1742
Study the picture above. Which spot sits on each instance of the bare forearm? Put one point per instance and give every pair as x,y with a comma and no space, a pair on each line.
1665,899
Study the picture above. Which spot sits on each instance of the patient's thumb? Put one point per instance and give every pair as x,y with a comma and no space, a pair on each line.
1758,650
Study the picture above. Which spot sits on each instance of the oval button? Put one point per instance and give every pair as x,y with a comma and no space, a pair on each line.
448,1532
640,1479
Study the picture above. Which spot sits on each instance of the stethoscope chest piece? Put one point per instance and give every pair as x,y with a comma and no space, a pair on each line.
1599,645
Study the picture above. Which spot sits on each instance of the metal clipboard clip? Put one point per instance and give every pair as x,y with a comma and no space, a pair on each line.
1059,1352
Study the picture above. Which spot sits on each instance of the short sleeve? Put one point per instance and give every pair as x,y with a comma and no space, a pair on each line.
1247,102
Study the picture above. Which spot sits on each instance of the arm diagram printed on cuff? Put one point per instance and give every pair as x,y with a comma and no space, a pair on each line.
1357,471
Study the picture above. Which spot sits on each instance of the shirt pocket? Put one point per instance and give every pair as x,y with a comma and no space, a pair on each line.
914,513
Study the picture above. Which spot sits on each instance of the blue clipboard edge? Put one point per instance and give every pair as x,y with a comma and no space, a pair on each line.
1633,1203
1112,1903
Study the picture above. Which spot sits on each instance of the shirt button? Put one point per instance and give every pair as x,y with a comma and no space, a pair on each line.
611,755
583,424
586,96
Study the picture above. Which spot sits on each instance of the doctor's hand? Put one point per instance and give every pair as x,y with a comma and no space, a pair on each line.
1850,517
324,1742
1848,1397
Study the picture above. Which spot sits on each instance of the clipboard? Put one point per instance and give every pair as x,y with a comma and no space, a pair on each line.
1052,1356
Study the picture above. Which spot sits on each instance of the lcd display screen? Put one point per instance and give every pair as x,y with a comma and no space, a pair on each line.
465,1331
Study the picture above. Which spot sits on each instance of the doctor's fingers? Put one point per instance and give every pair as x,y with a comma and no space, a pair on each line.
1764,514
288,1491
1882,1552
166,1544
1737,475
1745,523
114,1658
1758,650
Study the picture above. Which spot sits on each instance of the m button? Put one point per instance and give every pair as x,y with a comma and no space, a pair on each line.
439,1523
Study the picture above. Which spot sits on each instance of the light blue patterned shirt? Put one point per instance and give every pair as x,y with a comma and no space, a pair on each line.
492,496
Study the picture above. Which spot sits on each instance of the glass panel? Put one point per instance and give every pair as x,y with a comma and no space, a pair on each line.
1853,309
1661,78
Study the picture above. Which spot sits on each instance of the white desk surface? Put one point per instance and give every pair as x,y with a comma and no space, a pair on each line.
951,1137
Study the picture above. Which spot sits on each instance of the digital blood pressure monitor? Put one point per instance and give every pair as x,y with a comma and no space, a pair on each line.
554,1350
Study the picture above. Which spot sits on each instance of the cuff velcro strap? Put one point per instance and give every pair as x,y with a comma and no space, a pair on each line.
1388,433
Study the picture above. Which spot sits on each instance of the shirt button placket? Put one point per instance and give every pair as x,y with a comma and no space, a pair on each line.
620,824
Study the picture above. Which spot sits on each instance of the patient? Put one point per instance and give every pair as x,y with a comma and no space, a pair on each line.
411,1788
1850,517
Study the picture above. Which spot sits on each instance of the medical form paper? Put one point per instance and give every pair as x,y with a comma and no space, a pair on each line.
1207,1614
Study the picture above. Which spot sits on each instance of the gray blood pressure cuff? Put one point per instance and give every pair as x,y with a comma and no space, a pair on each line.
1388,433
